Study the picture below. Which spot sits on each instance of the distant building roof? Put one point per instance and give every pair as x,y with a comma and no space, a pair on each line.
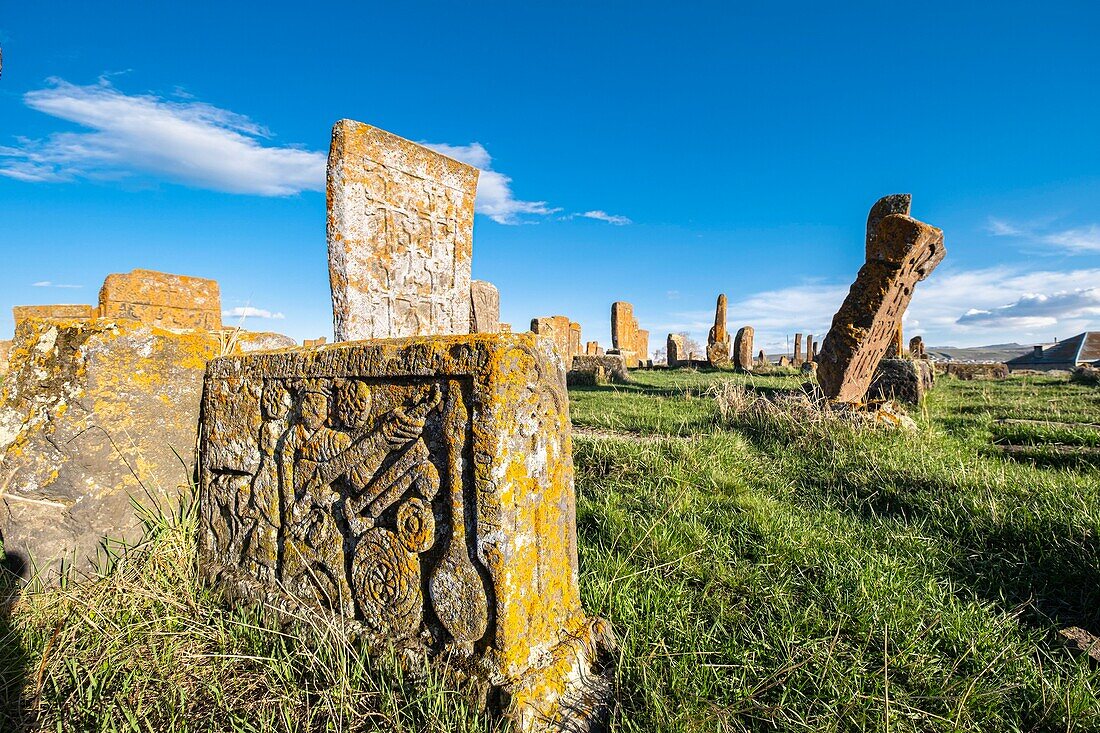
1084,348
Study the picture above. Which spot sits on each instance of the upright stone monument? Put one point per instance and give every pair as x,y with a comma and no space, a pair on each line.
628,340
901,252
718,340
484,307
400,236
592,348
810,352
797,349
676,350
419,488
916,348
742,349
560,330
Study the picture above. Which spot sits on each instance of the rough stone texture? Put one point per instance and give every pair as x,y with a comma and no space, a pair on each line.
422,488
784,361
400,236
5,349
718,340
484,307
597,376
895,348
797,348
310,343
742,349
613,364
916,348
92,416
163,300
560,330
505,328
809,368
240,341
968,371
22,313
901,252
811,352
628,340
676,350
593,348
904,380
762,358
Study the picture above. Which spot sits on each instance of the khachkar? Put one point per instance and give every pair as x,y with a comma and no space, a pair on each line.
797,349
742,349
629,341
400,236
422,488
901,252
718,340
484,307
676,350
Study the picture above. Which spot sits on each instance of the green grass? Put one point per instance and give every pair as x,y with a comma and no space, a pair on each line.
768,570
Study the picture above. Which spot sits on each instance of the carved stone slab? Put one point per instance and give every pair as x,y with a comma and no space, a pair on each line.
628,340
742,348
484,307
22,313
718,340
676,350
400,236
421,487
797,349
565,334
161,299
900,253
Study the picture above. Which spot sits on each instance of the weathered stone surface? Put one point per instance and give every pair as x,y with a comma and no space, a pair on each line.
901,252
484,307
809,368
161,299
422,488
5,349
628,340
22,313
797,348
400,236
762,358
596,376
718,340
811,348
593,348
92,416
895,349
505,328
916,348
784,361
969,371
310,343
742,349
244,342
904,380
560,330
613,364
676,350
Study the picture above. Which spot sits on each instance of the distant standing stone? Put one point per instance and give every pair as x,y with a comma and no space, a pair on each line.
676,350
742,349
798,348
718,340
484,307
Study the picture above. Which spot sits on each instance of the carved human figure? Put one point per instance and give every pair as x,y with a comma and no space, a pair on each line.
275,403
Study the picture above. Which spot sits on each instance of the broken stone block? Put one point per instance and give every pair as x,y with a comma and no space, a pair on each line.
676,350
53,312
94,416
592,348
904,380
420,489
484,307
597,376
243,342
718,340
784,361
916,348
613,364
901,252
175,302
310,343
742,349
400,236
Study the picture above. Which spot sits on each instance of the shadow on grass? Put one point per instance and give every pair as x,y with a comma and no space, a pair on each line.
1048,567
15,658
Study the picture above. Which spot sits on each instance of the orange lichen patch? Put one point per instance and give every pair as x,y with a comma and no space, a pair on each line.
53,312
469,433
162,299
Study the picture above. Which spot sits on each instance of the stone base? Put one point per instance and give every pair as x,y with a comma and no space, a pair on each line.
904,380
420,490
718,354
613,365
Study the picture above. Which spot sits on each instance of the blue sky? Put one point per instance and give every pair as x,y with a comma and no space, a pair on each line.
658,153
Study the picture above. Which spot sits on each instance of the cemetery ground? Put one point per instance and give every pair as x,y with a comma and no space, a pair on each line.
764,566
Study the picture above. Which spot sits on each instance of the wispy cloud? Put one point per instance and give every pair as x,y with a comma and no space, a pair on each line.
1076,240
494,189
1037,310
187,142
599,215
48,284
247,311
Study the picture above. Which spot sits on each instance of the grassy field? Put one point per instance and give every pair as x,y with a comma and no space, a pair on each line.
764,569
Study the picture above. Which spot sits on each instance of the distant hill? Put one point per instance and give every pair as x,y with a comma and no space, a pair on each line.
994,352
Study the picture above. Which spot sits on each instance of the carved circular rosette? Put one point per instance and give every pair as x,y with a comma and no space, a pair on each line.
386,583
416,525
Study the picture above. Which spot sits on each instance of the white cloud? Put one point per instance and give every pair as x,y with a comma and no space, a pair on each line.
247,311
185,142
1037,310
494,189
599,215
1076,240
48,284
